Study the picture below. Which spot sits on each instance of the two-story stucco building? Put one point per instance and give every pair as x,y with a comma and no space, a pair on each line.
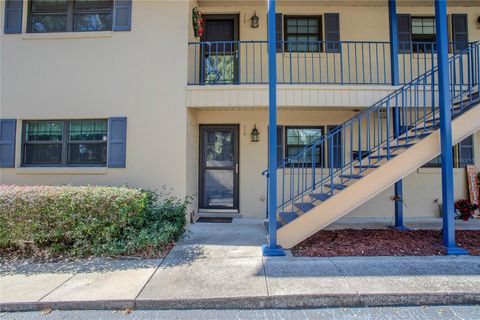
122,92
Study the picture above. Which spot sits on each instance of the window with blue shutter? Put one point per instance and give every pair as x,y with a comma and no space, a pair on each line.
459,31
13,16
463,154
332,32
123,15
404,25
63,143
117,142
8,130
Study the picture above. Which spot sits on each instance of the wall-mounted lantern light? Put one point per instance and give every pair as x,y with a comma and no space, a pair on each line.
255,20
255,135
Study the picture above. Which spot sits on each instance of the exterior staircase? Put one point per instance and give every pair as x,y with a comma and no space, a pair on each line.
371,151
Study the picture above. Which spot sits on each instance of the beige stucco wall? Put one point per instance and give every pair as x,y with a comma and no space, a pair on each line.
61,76
421,188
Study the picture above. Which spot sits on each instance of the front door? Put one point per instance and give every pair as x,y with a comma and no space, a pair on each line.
218,185
219,49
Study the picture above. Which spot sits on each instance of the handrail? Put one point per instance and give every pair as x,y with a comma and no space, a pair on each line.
307,62
374,133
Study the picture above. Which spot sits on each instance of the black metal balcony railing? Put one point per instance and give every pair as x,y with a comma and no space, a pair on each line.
301,62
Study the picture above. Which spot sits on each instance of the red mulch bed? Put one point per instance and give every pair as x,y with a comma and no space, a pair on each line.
389,242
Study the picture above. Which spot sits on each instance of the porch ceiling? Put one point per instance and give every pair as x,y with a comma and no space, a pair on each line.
347,3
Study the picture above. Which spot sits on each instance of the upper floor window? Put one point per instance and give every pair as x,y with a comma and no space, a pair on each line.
423,34
65,143
70,15
303,33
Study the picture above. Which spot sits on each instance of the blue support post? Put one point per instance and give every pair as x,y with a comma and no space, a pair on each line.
272,249
445,130
393,28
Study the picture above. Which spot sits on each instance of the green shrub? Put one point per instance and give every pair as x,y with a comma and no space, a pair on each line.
90,220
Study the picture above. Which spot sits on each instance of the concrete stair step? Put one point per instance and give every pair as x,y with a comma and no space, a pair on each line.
415,136
351,176
336,186
305,206
320,196
288,217
371,166
400,146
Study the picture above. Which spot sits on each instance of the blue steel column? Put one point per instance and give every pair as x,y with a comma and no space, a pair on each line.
272,249
393,28
445,130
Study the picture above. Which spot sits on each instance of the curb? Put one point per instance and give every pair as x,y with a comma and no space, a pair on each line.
272,302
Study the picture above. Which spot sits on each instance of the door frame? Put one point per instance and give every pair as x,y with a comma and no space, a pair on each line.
236,37
236,172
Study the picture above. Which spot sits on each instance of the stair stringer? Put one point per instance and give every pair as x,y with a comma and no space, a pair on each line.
377,181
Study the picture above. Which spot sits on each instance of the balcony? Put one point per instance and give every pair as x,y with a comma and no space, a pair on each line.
309,74
306,63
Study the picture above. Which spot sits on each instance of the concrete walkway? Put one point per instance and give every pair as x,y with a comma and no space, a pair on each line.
221,266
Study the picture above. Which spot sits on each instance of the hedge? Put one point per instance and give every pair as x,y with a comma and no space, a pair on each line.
89,220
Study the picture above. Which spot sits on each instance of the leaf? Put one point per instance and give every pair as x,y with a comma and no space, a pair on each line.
127,311
45,311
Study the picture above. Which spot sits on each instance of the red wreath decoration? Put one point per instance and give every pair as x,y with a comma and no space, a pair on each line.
197,22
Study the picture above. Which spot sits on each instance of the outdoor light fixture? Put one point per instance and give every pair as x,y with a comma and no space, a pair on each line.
255,134
255,20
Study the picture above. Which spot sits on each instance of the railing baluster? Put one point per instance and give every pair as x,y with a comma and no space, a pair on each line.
261,63
348,61
330,160
326,62
388,129
376,62
340,51
290,51
238,59
307,48
370,62
363,65
384,65
356,63
314,166
334,65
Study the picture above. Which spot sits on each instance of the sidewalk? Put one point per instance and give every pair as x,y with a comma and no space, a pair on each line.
220,266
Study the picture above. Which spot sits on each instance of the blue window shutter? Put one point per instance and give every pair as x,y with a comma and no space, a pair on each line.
459,31
465,152
279,31
332,31
122,20
13,16
8,130
337,148
404,26
280,147
117,142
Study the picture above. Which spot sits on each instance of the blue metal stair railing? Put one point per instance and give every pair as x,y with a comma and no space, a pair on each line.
361,143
